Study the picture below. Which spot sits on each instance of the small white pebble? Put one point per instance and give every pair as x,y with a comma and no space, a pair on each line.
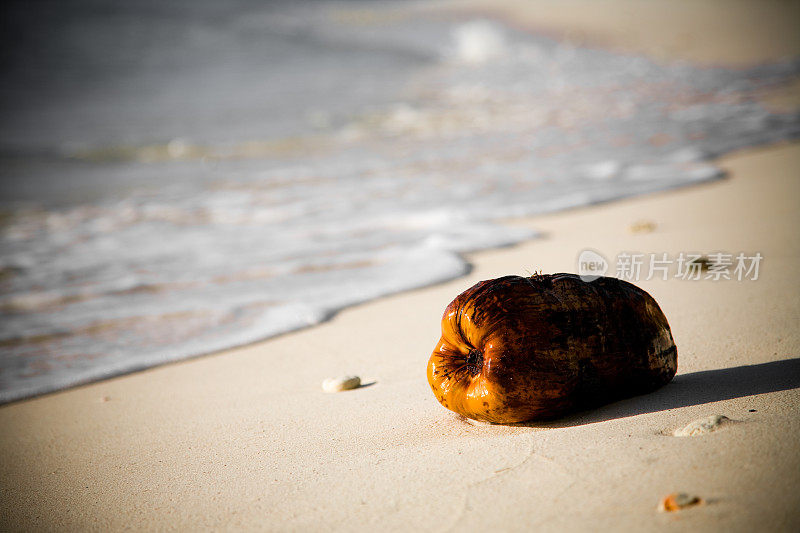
340,384
702,426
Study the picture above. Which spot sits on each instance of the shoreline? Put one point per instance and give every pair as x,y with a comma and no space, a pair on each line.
464,257
237,440
129,303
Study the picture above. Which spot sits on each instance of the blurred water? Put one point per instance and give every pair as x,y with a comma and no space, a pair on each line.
183,177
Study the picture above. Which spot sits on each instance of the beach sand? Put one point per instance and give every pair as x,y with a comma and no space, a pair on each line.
246,439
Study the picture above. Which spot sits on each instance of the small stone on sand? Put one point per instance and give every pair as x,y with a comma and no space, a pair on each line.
341,384
643,226
677,501
702,426
703,262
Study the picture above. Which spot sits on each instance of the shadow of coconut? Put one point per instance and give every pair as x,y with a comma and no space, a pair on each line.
695,388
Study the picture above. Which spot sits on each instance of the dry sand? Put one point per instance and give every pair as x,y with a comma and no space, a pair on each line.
246,439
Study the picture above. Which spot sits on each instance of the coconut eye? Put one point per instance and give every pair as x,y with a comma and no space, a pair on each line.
474,361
